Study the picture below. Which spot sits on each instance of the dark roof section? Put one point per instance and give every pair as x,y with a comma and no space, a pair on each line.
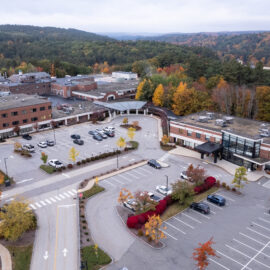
122,106
209,147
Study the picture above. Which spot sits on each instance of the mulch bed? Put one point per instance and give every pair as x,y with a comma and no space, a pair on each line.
127,126
26,240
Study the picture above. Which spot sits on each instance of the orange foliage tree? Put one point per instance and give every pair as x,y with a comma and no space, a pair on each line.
153,228
201,254
124,195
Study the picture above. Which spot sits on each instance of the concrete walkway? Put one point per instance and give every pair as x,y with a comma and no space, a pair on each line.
5,258
227,166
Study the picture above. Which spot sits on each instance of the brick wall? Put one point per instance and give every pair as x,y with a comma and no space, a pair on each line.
28,88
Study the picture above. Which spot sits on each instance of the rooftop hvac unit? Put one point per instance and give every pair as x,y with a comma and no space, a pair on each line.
228,119
203,119
210,115
265,134
220,122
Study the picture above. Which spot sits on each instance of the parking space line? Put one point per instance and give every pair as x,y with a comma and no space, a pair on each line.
260,226
183,222
136,171
226,197
258,233
118,181
47,201
32,206
113,185
144,170
232,259
245,255
170,235
131,175
212,204
255,240
174,227
219,264
252,248
123,177
211,211
43,203
264,220
184,214
200,214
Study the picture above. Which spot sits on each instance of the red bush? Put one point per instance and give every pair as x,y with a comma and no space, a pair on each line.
132,222
208,183
141,219
168,199
211,180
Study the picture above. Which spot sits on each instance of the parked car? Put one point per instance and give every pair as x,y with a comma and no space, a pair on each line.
42,144
92,132
98,130
75,136
163,190
78,141
217,199
103,135
183,175
109,133
55,163
130,204
50,143
200,207
109,129
97,137
27,137
154,197
154,163
29,148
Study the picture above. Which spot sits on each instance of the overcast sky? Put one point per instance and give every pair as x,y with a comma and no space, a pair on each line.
152,16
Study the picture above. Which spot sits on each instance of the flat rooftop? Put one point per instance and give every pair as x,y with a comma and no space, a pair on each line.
20,100
247,128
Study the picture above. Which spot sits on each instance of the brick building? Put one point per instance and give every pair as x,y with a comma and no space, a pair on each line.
23,110
244,142
29,83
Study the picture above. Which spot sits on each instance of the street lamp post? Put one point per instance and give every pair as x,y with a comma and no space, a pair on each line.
167,182
54,136
117,162
5,160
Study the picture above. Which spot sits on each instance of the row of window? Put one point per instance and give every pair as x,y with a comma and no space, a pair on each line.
16,123
198,136
5,115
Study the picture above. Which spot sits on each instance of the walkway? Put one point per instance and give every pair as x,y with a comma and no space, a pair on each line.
5,258
227,166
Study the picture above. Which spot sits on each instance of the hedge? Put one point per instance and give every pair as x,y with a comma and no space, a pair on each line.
208,183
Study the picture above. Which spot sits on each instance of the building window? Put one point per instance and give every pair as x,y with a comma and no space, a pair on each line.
5,124
181,131
43,117
207,138
34,109
15,123
33,119
49,107
14,113
24,112
217,140
189,133
198,135
42,108
4,115
25,121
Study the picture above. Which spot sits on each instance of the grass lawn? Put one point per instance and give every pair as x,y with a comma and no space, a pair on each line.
22,257
94,261
134,144
47,168
176,207
92,191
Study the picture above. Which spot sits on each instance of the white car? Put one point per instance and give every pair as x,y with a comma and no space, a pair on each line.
130,204
42,144
111,129
28,147
55,163
163,190
183,175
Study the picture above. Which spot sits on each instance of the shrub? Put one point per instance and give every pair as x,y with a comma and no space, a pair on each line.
208,183
79,163
70,166
86,233
233,189
141,219
224,185
88,159
169,200
140,232
149,239
132,221
228,188
83,161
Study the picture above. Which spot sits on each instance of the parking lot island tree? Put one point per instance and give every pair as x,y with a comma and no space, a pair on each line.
165,139
17,130
153,228
73,153
125,121
240,177
144,202
196,174
16,218
17,146
183,192
124,195
201,254
131,133
44,157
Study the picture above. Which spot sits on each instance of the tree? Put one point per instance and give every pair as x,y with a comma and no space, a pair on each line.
17,146
44,157
201,254
139,90
165,139
183,192
240,176
263,103
121,143
196,175
16,218
17,130
143,202
131,133
153,228
158,97
73,153
135,124
125,120
124,195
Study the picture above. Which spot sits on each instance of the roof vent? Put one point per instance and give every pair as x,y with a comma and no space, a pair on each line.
203,119
220,122
228,119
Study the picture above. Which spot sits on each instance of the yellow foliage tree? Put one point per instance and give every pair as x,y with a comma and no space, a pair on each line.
96,180
121,142
73,153
158,95
139,89
125,120
131,133
17,146
15,220
153,228
124,195
165,139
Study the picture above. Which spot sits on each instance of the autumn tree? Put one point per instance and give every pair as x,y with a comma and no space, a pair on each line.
17,130
201,254
73,153
143,202
121,142
153,228
135,124
158,96
16,218
44,157
196,174
263,103
17,146
240,177
165,139
183,192
131,133
124,195
125,121
139,90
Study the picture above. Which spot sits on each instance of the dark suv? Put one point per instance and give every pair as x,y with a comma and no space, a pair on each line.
217,199
27,137
75,136
200,207
154,163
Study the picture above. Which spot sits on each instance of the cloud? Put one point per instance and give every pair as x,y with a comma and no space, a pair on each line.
140,15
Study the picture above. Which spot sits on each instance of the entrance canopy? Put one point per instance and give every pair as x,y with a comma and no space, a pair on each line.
210,148
122,106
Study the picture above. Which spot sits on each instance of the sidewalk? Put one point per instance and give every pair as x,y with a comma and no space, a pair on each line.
5,258
225,165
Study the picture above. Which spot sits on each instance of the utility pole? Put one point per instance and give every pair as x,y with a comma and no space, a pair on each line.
5,160
54,136
167,182
117,162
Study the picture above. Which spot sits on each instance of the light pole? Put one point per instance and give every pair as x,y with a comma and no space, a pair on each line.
54,136
167,182
5,160
117,162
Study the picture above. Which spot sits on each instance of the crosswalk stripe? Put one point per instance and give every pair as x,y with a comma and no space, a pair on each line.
72,194
61,196
43,203
32,206
47,200
67,195
57,198
74,190
52,199
38,205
